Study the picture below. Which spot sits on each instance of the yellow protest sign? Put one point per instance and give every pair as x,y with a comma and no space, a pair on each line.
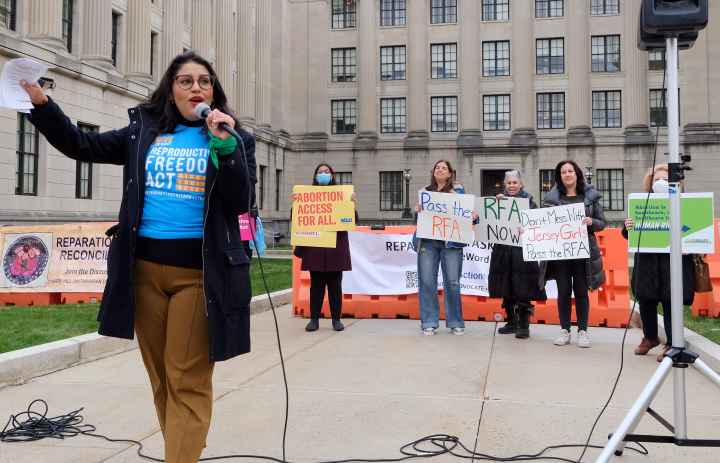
315,239
323,208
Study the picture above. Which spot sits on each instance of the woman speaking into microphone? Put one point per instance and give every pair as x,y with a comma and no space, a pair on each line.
178,274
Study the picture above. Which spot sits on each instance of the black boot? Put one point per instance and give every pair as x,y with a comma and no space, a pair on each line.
523,322
312,325
510,326
337,324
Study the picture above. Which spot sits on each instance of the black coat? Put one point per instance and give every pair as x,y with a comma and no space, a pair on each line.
650,280
593,209
226,279
510,275
335,259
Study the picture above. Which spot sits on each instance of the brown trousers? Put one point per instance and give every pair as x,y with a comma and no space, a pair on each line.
172,331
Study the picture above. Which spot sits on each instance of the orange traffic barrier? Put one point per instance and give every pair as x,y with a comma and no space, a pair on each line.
29,299
608,305
708,304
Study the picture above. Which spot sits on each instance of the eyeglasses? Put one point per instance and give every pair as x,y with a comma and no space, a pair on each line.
186,81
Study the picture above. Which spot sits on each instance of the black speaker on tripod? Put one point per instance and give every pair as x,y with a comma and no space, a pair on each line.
660,19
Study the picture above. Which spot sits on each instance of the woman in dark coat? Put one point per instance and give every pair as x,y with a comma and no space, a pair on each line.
576,275
326,265
178,274
511,277
650,280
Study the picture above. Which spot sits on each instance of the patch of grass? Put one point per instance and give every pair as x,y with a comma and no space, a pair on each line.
705,326
22,327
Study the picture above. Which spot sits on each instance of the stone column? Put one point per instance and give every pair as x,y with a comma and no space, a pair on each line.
225,64
523,72
246,60
635,66
367,99
97,33
264,71
46,22
469,71
418,68
172,33
577,100
138,32
202,36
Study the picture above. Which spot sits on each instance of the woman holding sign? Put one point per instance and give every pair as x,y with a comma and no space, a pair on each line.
446,254
650,280
326,264
576,275
511,277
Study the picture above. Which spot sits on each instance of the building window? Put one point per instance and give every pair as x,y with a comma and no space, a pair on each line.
114,37
549,8
605,53
444,113
604,7
656,59
278,184
444,60
8,13
344,64
67,23
610,183
344,116
343,14
27,167
550,56
496,112
551,110
393,115
496,10
392,63
261,188
443,11
343,178
153,48
547,180
658,108
606,111
496,58
392,12
391,197
83,169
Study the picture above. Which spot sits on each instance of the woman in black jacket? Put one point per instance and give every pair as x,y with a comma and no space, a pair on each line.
510,276
650,280
576,275
178,274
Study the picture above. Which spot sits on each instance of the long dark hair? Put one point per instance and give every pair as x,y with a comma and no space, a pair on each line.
332,172
451,181
161,102
579,186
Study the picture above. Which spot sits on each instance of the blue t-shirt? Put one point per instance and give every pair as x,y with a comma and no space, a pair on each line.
175,170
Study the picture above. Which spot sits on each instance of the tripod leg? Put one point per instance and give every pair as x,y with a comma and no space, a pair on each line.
633,417
707,371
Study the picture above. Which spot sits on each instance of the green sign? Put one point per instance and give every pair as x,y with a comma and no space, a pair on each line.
652,223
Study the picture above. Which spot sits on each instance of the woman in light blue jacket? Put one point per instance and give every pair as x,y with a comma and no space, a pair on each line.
449,256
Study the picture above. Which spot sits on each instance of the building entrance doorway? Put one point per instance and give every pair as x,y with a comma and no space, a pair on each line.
492,182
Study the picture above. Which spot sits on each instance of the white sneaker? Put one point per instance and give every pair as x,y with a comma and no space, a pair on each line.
428,331
458,331
583,339
563,339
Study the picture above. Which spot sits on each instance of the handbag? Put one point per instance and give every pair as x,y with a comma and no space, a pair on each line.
703,284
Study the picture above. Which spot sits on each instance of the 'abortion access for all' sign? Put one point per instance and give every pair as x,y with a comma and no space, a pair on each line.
555,233
500,220
445,217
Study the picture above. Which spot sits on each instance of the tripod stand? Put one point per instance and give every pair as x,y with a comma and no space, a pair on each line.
677,358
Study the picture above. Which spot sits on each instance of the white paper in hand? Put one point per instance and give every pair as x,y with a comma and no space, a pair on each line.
12,95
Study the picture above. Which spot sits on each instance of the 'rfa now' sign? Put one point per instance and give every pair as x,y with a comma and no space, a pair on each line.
555,233
446,217
500,220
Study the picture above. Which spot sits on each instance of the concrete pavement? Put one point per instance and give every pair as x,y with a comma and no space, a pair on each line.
364,392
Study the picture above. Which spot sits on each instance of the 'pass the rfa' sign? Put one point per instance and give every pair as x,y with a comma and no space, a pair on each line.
555,233
446,217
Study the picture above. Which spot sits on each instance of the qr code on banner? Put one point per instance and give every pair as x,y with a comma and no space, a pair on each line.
411,279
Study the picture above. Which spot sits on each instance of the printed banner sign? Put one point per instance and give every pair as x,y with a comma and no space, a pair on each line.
446,217
323,208
696,221
500,220
316,239
555,233
54,258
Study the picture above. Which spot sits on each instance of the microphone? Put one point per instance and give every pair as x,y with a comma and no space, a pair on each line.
202,111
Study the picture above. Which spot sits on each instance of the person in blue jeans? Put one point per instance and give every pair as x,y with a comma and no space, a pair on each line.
447,255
